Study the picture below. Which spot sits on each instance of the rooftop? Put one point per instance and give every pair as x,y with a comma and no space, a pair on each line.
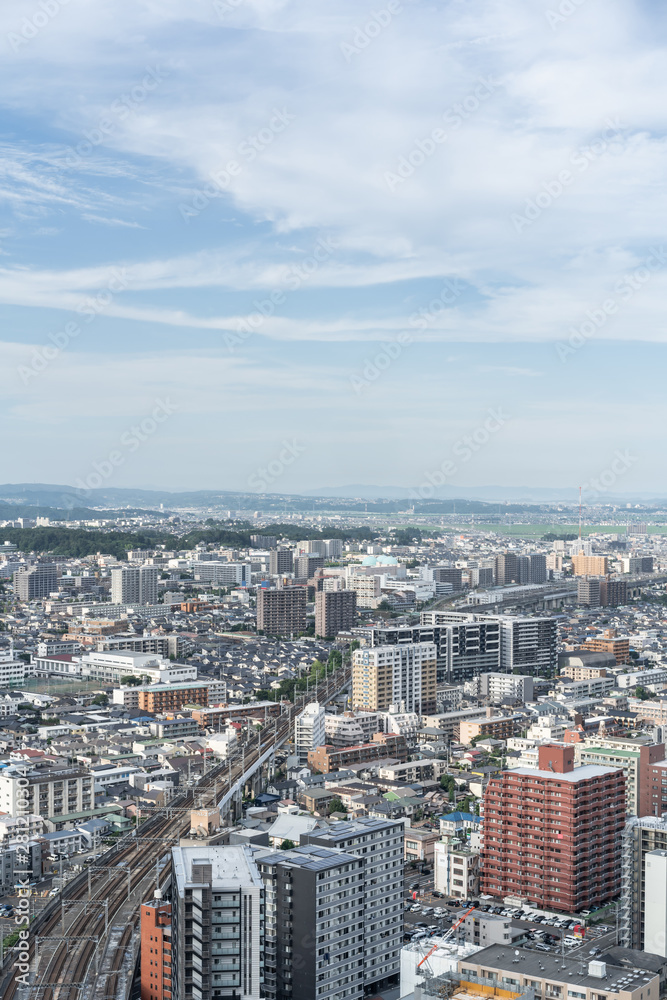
572,971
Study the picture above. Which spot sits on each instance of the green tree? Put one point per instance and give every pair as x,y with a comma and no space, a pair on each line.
336,806
100,699
130,679
287,845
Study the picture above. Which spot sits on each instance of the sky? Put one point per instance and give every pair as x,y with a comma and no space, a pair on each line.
291,244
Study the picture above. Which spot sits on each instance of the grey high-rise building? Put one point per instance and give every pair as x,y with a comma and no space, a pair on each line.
506,569
380,843
335,611
588,591
523,569
314,924
538,568
465,647
35,582
217,923
281,561
305,566
524,642
281,611
134,585
642,837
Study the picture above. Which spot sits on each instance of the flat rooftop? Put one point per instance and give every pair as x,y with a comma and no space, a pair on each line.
539,965
232,866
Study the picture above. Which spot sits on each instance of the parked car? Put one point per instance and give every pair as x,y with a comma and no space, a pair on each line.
543,947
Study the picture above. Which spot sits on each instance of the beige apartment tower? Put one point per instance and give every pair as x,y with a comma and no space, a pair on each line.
394,675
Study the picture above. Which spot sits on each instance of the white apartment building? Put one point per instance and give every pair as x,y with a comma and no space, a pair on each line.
498,686
593,687
309,730
352,728
398,721
134,585
217,918
13,671
656,677
367,588
50,791
456,870
238,574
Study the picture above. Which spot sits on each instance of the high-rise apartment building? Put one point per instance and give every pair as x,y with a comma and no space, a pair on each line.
281,561
305,565
613,592
527,643
134,585
309,730
507,570
644,886
217,923
538,568
588,591
395,675
642,764
379,843
314,924
156,955
335,611
35,582
552,835
465,647
281,611
590,565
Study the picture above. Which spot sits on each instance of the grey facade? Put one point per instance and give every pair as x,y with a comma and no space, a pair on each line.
217,923
38,581
642,836
281,561
335,611
313,934
465,648
379,843
134,585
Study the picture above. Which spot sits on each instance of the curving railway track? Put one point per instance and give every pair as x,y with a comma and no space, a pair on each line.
76,969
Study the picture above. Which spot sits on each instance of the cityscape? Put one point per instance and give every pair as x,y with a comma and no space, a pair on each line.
333,521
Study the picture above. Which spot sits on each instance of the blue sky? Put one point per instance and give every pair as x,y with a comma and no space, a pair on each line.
360,228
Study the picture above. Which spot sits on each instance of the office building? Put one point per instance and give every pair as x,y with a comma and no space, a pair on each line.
37,581
395,675
379,844
281,611
309,731
156,955
217,917
590,565
588,591
335,611
552,835
281,561
134,585
314,923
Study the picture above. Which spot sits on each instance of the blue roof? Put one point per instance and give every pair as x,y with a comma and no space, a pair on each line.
460,817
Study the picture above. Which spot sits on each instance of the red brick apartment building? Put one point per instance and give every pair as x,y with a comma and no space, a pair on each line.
553,834
156,950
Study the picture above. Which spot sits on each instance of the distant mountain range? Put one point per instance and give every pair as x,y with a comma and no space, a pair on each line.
43,496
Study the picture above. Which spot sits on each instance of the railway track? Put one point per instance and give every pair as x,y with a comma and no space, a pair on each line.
70,972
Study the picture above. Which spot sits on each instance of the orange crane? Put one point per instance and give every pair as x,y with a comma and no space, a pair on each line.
447,935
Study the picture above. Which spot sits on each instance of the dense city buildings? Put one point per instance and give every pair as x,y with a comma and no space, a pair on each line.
281,611
553,834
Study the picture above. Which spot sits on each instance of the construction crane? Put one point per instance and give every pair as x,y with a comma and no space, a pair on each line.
445,938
